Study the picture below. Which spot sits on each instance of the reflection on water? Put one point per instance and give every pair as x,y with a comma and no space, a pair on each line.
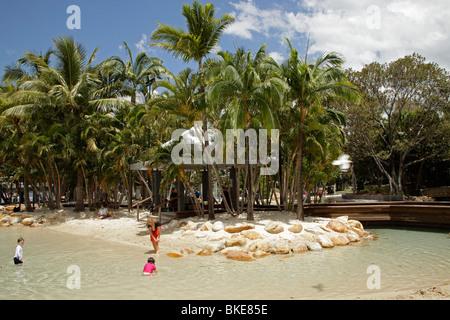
407,259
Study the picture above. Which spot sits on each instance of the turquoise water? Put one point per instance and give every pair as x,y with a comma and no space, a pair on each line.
55,263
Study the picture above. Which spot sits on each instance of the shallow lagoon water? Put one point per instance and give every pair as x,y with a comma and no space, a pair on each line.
406,259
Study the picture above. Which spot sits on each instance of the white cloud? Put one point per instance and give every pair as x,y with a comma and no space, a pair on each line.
277,56
359,29
250,19
142,44
11,52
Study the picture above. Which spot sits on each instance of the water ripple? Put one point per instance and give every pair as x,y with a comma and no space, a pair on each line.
406,258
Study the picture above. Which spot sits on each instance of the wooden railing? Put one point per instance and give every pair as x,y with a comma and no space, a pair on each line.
158,207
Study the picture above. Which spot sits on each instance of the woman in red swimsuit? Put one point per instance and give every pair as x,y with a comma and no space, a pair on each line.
155,232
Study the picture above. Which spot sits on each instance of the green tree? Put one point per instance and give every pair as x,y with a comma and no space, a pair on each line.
133,78
71,89
201,39
250,86
404,109
323,81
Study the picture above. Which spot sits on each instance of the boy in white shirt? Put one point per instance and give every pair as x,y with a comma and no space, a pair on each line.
18,256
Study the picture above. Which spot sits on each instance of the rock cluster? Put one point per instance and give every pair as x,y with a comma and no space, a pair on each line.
246,241
9,218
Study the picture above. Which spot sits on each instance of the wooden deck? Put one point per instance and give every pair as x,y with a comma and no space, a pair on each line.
398,213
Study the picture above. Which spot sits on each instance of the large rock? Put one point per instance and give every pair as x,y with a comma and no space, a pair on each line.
280,247
310,240
309,237
313,246
239,240
357,227
251,234
190,226
28,221
239,255
274,227
339,240
288,236
315,230
237,229
13,219
296,228
217,226
343,219
181,224
215,246
228,249
299,247
337,226
206,252
325,229
355,224
4,222
260,245
352,236
172,224
200,234
215,236
324,241
260,254
207,226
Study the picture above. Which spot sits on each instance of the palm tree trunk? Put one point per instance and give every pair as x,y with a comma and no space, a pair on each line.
79,206
250,196
209,174
300,209
244,188
28,207
130,192
57,187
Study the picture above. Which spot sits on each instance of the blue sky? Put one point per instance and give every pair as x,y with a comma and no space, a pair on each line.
362,30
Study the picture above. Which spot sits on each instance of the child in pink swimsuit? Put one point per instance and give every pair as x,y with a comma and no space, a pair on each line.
149,267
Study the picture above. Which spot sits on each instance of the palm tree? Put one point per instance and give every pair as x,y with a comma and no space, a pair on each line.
176,105
13,77
134,79
70,89
251,87
200,40
324,139
177,100
310,85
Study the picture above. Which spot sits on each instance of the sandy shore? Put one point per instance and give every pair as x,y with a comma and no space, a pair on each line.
123,227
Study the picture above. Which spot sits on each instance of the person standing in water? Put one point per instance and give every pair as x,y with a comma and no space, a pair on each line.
18,255
155,233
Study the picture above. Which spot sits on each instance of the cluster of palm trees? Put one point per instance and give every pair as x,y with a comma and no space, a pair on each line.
73,127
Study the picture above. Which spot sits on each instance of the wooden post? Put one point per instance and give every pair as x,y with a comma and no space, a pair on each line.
180,201
234,192
159,215
156,185
137,213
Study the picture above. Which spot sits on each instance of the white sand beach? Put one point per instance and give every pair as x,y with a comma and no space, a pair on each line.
180,236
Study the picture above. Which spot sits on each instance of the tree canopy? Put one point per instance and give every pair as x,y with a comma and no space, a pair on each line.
71,128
